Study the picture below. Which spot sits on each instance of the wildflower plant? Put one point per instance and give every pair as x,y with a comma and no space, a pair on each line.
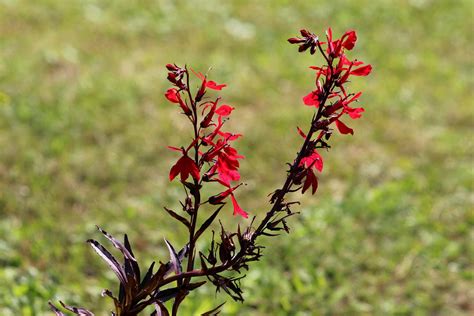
210,157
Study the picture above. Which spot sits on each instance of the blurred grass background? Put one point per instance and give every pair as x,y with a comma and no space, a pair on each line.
84,128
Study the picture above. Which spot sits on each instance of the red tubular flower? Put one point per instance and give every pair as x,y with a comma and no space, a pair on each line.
227,164
209,83
172,95
311,99
185,166
208,118
313,161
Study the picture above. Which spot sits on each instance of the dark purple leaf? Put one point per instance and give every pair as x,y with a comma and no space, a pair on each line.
134,264
77,310
55,309
160,309
111,261
167,294
207,223
117,244
175,261
214,312
178,217
148,275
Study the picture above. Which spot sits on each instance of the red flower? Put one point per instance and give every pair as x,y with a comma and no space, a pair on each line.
172,95
227,164
311,99
313,161
217,199
185,166
209,83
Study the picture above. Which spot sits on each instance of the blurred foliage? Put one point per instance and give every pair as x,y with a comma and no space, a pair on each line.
84,128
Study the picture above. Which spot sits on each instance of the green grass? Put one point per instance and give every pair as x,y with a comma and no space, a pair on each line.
84,128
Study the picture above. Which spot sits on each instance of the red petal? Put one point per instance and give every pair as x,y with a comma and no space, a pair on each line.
307,182
224,110
314,183
351,40
318,164
237,209
362,71
199,75
343,128
354,113
310,181
174,172
301,132
213,85
175,148
192,168
354,98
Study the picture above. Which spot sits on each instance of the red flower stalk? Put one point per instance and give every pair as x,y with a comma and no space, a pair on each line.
219,157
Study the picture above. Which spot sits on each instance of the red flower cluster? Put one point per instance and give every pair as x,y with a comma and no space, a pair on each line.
211,145
337,72
330,81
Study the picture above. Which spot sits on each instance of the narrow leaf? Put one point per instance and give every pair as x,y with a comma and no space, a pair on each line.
167,294
117,244
193,286
214,312
176,263
55,309
178,217
134,263
148,275
77,310
160,309
111,261
207,223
